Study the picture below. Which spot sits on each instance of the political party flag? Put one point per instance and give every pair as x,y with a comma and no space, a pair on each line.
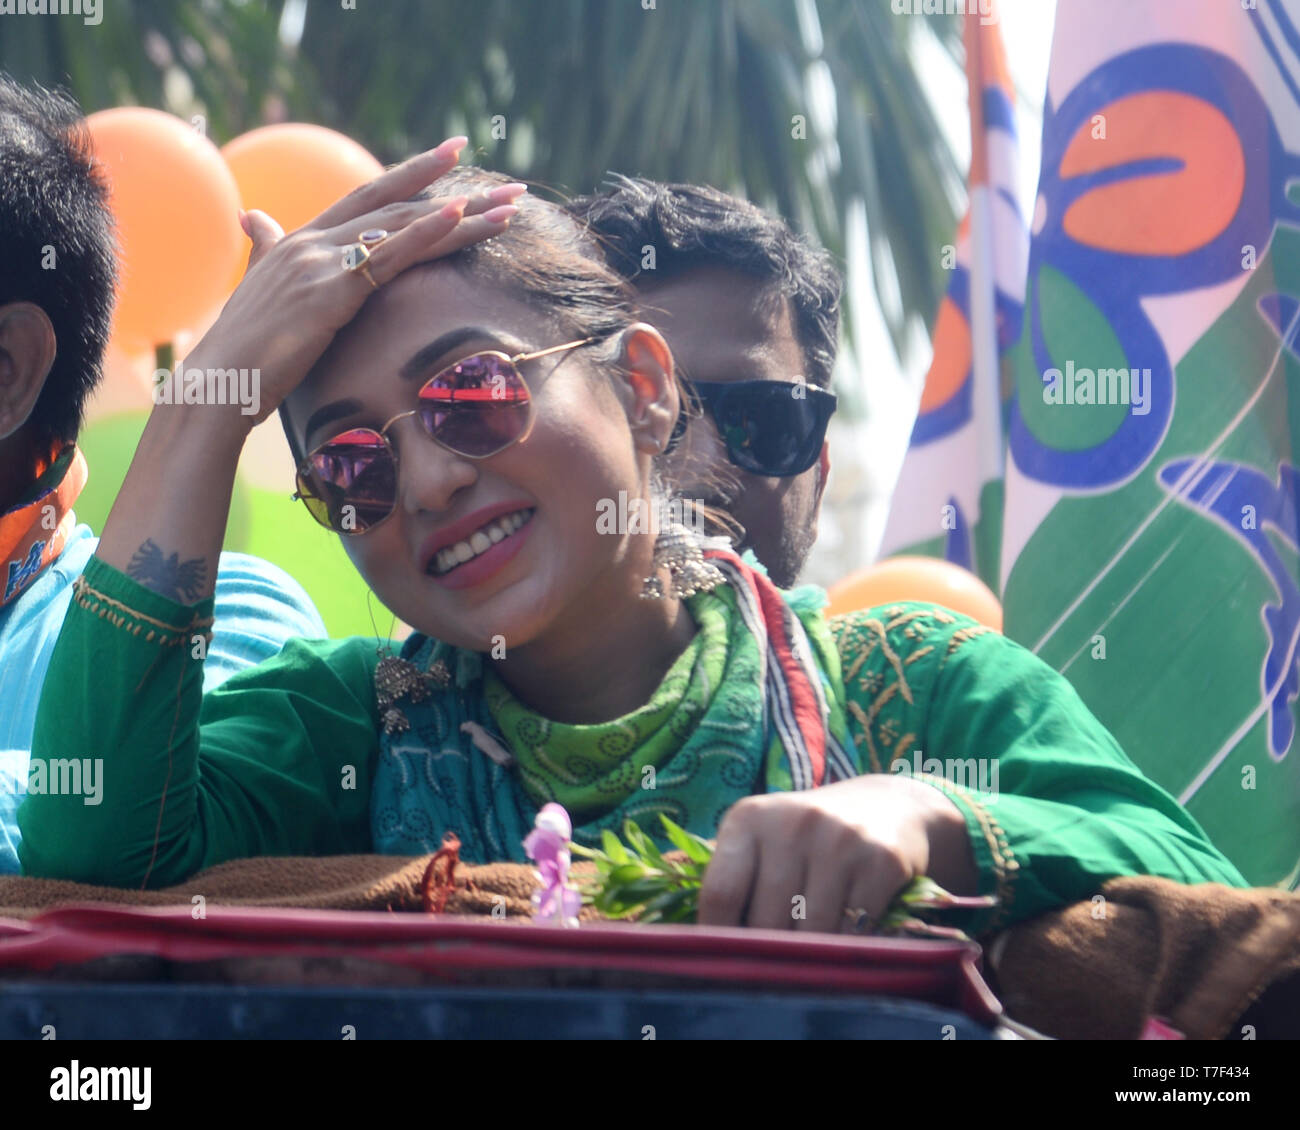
1151,536
948,501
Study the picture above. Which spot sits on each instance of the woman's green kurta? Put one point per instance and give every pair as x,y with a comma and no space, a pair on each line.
279,761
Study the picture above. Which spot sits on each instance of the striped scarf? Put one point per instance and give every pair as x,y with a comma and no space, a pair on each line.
33,533
754,704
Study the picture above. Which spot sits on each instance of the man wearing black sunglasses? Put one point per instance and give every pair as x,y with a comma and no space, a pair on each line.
751,313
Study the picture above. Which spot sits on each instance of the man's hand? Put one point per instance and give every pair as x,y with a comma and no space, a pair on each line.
799,860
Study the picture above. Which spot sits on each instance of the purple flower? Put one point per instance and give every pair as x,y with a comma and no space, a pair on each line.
557,904
547,845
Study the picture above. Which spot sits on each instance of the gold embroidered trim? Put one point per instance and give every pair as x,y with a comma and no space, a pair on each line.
961,636
852,670
120,615
861,719
906,744
899,616
1005,865
881,641
859,636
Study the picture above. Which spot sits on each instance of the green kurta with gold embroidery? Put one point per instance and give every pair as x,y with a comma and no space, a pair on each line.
1052,804
281,759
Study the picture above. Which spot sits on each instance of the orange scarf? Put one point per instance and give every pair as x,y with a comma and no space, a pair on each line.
33,534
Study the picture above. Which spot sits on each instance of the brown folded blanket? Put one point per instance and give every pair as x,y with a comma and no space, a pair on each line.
338,882
1209,959
1215,962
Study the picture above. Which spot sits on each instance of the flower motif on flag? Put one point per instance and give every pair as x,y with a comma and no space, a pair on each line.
1158,169
1250,506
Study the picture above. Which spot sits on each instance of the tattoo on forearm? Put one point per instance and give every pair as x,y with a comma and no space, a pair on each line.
178,580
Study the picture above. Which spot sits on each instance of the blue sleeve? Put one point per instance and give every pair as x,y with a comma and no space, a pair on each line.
13,786
259,608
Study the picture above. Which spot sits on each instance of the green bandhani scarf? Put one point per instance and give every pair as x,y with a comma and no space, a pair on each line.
479,763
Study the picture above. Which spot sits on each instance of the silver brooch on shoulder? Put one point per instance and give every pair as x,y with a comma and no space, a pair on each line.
396,679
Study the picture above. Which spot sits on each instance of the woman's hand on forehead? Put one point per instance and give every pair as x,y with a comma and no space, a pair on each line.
299,290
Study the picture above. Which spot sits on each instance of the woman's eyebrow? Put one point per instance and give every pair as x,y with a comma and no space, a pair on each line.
335,410
425,357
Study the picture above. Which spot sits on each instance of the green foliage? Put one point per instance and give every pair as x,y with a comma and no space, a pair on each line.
690,90
638,880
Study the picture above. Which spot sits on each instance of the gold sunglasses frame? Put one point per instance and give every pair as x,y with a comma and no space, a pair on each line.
382,433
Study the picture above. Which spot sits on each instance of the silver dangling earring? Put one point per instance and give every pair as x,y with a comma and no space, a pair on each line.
677,549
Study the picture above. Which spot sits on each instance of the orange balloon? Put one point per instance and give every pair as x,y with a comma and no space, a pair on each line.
926,579
177,212
294,171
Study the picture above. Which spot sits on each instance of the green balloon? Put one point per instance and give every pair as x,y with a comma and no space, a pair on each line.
108,445
267,524
281,531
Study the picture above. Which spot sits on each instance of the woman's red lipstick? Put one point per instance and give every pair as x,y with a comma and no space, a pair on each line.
488,563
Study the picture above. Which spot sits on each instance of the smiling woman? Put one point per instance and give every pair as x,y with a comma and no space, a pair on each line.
494,381
467,389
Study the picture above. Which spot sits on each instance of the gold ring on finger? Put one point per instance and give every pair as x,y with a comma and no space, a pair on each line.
356,257
860,919
373,237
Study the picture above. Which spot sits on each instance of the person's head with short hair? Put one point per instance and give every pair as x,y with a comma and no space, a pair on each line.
740,298
57,274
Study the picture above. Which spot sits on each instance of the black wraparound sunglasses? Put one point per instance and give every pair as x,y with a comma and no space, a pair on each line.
770,428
